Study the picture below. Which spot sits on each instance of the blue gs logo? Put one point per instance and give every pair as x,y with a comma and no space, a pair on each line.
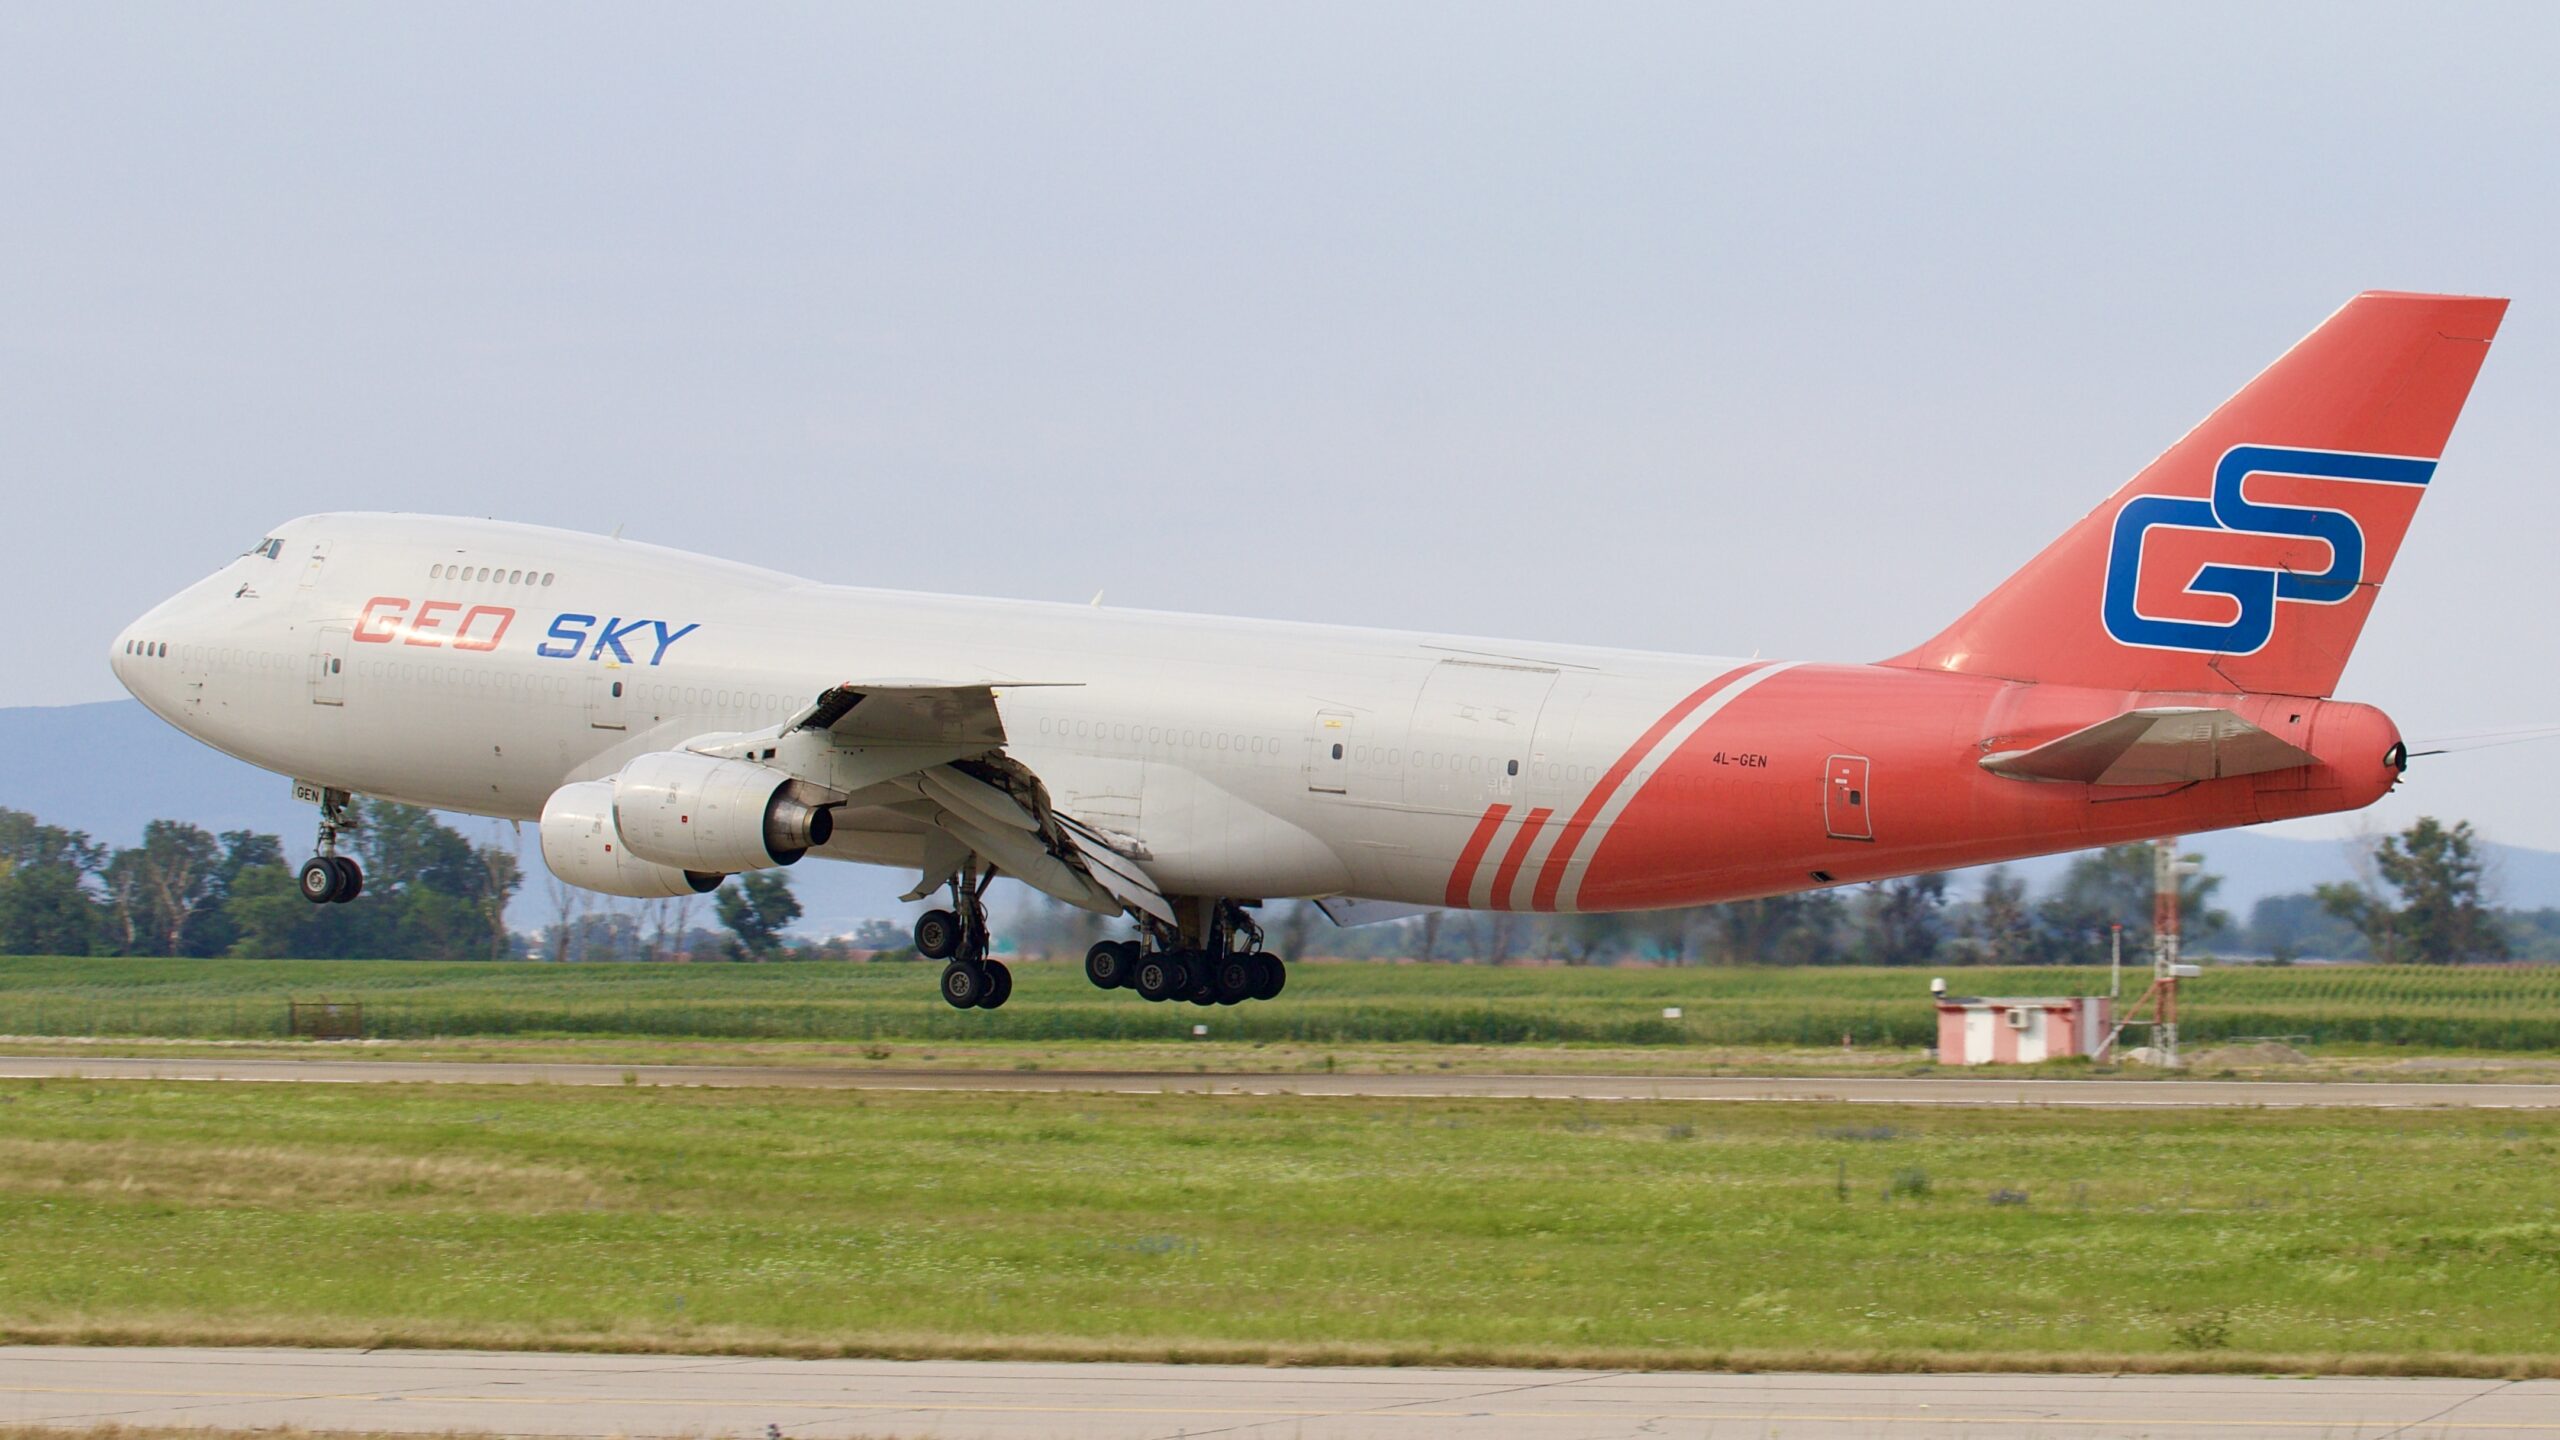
2256,588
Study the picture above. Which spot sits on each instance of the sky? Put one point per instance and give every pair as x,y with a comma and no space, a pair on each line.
1787,330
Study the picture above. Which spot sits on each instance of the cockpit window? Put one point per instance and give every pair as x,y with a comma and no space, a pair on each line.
272,547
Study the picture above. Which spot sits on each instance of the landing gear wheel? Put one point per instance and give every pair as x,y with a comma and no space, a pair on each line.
1270,977
1202,994
999,985
964,985
1160,977
1108,964
938,935
350,879
321,879
1231,979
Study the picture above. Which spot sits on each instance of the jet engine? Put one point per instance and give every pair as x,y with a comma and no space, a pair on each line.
582,845
699,812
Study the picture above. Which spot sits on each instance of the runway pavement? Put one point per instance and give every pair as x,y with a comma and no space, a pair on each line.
1871,1090
684,1396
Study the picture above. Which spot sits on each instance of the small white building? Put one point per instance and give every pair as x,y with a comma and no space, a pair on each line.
2020,1030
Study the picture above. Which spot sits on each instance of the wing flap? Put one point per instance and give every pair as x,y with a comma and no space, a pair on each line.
2167,746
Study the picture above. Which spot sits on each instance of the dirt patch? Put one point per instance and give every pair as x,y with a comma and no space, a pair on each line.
2247,1057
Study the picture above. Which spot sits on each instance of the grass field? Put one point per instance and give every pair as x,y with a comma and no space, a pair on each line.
1189,1227
2501,1009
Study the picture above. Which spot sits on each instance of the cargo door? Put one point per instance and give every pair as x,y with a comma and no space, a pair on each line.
1846,805
605,702
1472,727
329,667
1329,753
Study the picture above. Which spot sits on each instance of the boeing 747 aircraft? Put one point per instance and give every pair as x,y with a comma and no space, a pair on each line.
671,720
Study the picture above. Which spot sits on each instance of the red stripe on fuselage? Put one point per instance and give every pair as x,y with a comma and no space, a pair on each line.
1514,855
1551,874
1463,879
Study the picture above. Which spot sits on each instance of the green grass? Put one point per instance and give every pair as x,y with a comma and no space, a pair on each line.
1653,1233
2497,1009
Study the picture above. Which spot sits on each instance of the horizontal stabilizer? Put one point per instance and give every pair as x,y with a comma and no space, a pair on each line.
2153,747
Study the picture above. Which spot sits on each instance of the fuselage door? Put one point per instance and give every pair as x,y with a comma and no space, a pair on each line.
604,701
1472,728
329,667
1845,803
1329,753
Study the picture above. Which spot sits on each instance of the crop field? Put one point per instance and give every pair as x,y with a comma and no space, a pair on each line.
1654,1233
2506,1008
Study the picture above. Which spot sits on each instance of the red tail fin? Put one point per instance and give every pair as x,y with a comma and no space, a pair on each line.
2246,558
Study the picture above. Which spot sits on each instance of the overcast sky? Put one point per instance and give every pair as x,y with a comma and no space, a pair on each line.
1790,330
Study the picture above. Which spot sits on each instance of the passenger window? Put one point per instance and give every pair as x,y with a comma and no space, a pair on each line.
546,577
1513,768
515,577
617,689
1337,752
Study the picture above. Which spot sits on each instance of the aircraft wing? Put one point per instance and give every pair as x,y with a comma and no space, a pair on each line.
2166,746
933,752
909,712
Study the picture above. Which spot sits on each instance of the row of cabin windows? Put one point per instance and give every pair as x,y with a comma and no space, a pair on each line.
1260,745
152,649
488,573
1158,735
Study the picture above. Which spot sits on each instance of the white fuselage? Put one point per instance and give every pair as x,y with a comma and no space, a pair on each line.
367,653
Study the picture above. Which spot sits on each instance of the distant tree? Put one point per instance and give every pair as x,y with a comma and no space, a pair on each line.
1903,921
2114,886
1801,929
2427,906
884,937
46,907
2001,923
214,931
2291,926
756,910
45,910
163,886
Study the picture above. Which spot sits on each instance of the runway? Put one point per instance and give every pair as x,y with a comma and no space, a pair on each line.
1854,1090
683,1396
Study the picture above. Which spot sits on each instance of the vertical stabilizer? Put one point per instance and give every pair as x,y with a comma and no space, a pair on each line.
2247,556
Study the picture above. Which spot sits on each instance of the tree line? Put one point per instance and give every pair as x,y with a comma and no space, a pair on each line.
433,893
2422,900
430,893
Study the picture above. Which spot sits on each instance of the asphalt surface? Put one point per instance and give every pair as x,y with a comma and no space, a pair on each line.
686,1396
1871,1090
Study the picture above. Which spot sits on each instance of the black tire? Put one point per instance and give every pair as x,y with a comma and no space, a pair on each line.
938,934
1107,966
1202,994
321,880
1231,979
999,985
1160,977
350,879
964,985
1270,977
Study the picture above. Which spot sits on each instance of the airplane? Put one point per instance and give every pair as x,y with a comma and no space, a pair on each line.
670,720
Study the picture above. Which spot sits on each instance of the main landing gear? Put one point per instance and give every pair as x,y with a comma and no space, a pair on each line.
1219,961
970,981
330,878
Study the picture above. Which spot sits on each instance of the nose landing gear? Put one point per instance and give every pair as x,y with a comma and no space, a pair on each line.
330,878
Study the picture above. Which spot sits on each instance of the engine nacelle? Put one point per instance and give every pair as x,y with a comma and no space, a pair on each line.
582,845
697,812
